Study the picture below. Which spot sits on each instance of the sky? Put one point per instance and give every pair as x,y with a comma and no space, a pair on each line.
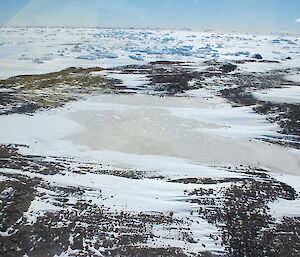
220,15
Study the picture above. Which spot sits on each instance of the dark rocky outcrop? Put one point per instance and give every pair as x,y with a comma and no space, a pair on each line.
257,56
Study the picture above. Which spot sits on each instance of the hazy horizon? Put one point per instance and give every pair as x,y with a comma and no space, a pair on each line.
217,15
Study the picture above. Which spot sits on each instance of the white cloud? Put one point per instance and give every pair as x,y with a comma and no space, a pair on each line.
297,20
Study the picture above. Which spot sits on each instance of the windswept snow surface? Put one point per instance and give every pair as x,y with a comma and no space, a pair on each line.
280,95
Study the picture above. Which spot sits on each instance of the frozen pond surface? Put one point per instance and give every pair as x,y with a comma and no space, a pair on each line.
149,132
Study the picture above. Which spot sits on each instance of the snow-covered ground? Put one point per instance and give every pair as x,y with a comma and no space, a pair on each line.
174,137
280,95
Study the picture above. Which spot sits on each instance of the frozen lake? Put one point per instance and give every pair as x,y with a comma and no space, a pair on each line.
131,130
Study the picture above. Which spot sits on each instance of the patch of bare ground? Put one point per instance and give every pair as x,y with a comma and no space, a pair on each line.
78,227
240,211
84,229
28,93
